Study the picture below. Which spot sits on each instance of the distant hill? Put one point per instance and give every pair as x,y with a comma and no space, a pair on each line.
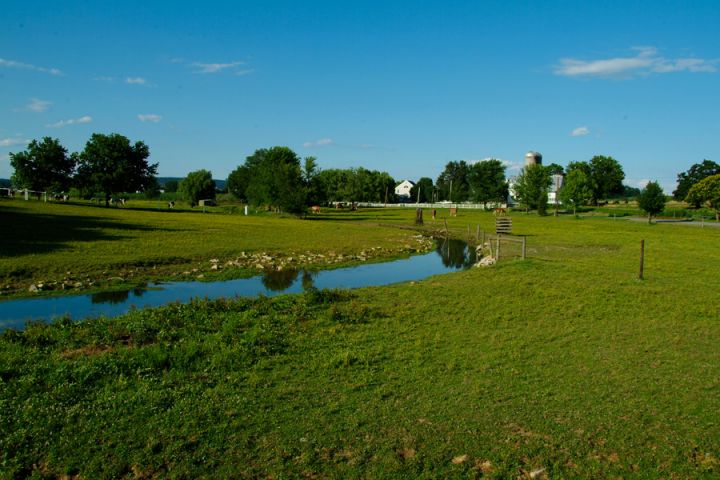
219,184
5,183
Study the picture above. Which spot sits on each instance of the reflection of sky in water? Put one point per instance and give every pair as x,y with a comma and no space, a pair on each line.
449,256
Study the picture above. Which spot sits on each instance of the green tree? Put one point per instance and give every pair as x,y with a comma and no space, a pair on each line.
606,177
576,189
706,191
422,191
651,200
275,179
238,182
452,183
171,186
109,164
198,185
555,169
531,188
697,172
487,181
44,166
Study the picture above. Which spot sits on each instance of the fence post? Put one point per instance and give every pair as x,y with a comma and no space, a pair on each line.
477,234
497,247
642,258
523,247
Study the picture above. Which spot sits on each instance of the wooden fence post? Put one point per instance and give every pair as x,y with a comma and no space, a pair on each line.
642,258
497,247
523,247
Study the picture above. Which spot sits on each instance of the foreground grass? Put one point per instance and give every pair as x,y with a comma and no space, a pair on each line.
564,362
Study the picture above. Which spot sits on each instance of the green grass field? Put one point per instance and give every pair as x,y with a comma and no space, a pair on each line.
86,247
561,366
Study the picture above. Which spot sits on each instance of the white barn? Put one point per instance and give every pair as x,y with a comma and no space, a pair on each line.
402,189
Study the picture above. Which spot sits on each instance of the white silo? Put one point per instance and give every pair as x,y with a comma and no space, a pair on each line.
533,158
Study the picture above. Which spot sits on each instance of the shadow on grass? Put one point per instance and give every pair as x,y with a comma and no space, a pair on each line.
31,233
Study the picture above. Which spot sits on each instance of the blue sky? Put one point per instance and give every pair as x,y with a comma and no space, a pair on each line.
402,87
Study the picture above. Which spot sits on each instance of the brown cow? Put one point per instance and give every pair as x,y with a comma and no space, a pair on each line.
315,209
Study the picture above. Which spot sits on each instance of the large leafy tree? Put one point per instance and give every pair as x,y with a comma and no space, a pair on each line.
275,179
706,191
44,166
238,182
606,176
487,181
453,182
576,190
697,172
355,185
652,200
109,164
198,185
531,187
422,191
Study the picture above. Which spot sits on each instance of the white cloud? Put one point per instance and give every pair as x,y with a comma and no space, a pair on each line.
37,105
11,142
647,61
215,67
72,121
319,143
27,66
149,117
135,80
242,73
580,132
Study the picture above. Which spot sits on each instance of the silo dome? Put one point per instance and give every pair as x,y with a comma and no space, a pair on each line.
533,158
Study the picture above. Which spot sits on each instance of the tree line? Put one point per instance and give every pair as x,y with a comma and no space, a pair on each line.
279,179
108,165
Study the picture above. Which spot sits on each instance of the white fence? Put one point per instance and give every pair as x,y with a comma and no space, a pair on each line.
474,206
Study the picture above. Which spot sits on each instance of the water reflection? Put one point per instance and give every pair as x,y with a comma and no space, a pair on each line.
118,296
279,280
456,253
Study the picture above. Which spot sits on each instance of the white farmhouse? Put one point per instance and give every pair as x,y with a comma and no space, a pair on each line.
402,190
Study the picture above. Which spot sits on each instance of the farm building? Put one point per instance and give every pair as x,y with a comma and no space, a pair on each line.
402,190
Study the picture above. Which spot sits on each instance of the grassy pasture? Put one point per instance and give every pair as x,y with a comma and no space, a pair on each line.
115,246
561,366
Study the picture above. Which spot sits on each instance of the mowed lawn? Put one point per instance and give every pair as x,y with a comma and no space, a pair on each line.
561,366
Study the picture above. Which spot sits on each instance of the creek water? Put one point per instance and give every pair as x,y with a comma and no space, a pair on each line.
449,255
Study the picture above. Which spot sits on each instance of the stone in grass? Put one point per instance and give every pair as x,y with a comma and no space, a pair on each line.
459,459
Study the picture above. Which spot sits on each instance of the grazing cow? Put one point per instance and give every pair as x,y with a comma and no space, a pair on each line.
171,204
315,209
499,212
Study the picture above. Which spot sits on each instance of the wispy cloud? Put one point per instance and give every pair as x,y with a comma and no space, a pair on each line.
580,132
72,121
136,80
242,73
215,67
26,66
36,105
319,143
646,61
11,142
149,117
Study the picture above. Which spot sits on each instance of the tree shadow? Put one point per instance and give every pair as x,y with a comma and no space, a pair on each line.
31,233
